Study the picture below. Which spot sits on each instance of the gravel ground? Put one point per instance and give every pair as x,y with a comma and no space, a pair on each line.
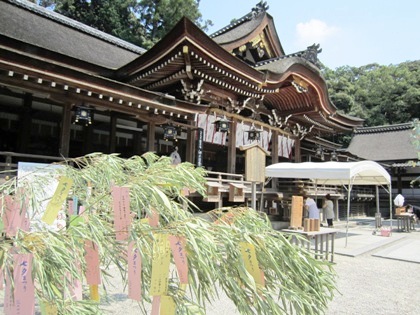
371,285
367,285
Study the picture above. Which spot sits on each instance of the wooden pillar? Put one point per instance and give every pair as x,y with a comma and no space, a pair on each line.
137,135
88,139
298,154
25,124
112,133
231,159
399,181
151,136
274,153
65,131
191,144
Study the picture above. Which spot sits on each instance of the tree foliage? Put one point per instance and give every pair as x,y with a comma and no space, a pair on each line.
141,22
290,279
381,95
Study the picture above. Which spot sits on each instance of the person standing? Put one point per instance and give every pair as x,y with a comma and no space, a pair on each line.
175,157
329,210
311,207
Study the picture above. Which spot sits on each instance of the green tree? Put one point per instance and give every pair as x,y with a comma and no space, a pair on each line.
294,281
141,22
115,17
158,17
380,94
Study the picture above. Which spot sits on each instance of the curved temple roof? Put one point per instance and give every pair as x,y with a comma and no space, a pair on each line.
187,64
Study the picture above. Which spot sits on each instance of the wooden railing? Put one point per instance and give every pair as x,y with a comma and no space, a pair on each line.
9,162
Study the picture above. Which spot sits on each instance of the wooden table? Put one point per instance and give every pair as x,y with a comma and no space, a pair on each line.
406,220
323,241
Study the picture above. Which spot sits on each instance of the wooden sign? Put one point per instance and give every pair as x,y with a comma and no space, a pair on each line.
296,213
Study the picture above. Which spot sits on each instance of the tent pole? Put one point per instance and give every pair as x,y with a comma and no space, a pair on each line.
390,203
348,211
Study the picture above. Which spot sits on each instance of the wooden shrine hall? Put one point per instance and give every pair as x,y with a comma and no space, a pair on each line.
67,90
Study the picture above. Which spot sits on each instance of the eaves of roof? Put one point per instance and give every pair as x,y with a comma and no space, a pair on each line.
247,30
384,128
39,27
392,144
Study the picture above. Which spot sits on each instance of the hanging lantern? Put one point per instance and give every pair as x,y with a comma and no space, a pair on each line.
169,133
222,124
253,134
83,114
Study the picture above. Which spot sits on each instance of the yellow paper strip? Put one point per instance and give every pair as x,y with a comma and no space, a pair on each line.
160,265
250,260
94,292
48,309
167,305
57,200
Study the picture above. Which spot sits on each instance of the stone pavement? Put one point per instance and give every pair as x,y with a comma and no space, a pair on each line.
361,239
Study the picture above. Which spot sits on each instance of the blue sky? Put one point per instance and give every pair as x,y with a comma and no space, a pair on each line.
350,32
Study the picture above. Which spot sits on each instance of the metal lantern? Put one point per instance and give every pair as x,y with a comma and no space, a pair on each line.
169,133
83,115
222,125
253,134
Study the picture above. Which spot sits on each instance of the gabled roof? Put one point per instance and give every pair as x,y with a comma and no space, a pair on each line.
186,61
390,143
257,24
25,22
187,53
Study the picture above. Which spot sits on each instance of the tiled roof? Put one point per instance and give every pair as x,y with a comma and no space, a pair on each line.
256,13
384,143
384,128
41,27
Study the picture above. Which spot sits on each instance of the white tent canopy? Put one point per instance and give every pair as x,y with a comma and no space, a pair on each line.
346,174
333,173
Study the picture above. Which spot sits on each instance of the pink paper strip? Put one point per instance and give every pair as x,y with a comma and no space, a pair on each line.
156,305
93,275
180,257
134,272
70,207
7,213
75,285
154,218
121,206
14,216
22,300
1,279
262,278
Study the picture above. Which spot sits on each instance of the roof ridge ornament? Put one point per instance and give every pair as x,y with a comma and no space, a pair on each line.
311,54
259,8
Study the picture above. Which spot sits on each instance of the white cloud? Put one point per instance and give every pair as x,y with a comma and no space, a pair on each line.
314,32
